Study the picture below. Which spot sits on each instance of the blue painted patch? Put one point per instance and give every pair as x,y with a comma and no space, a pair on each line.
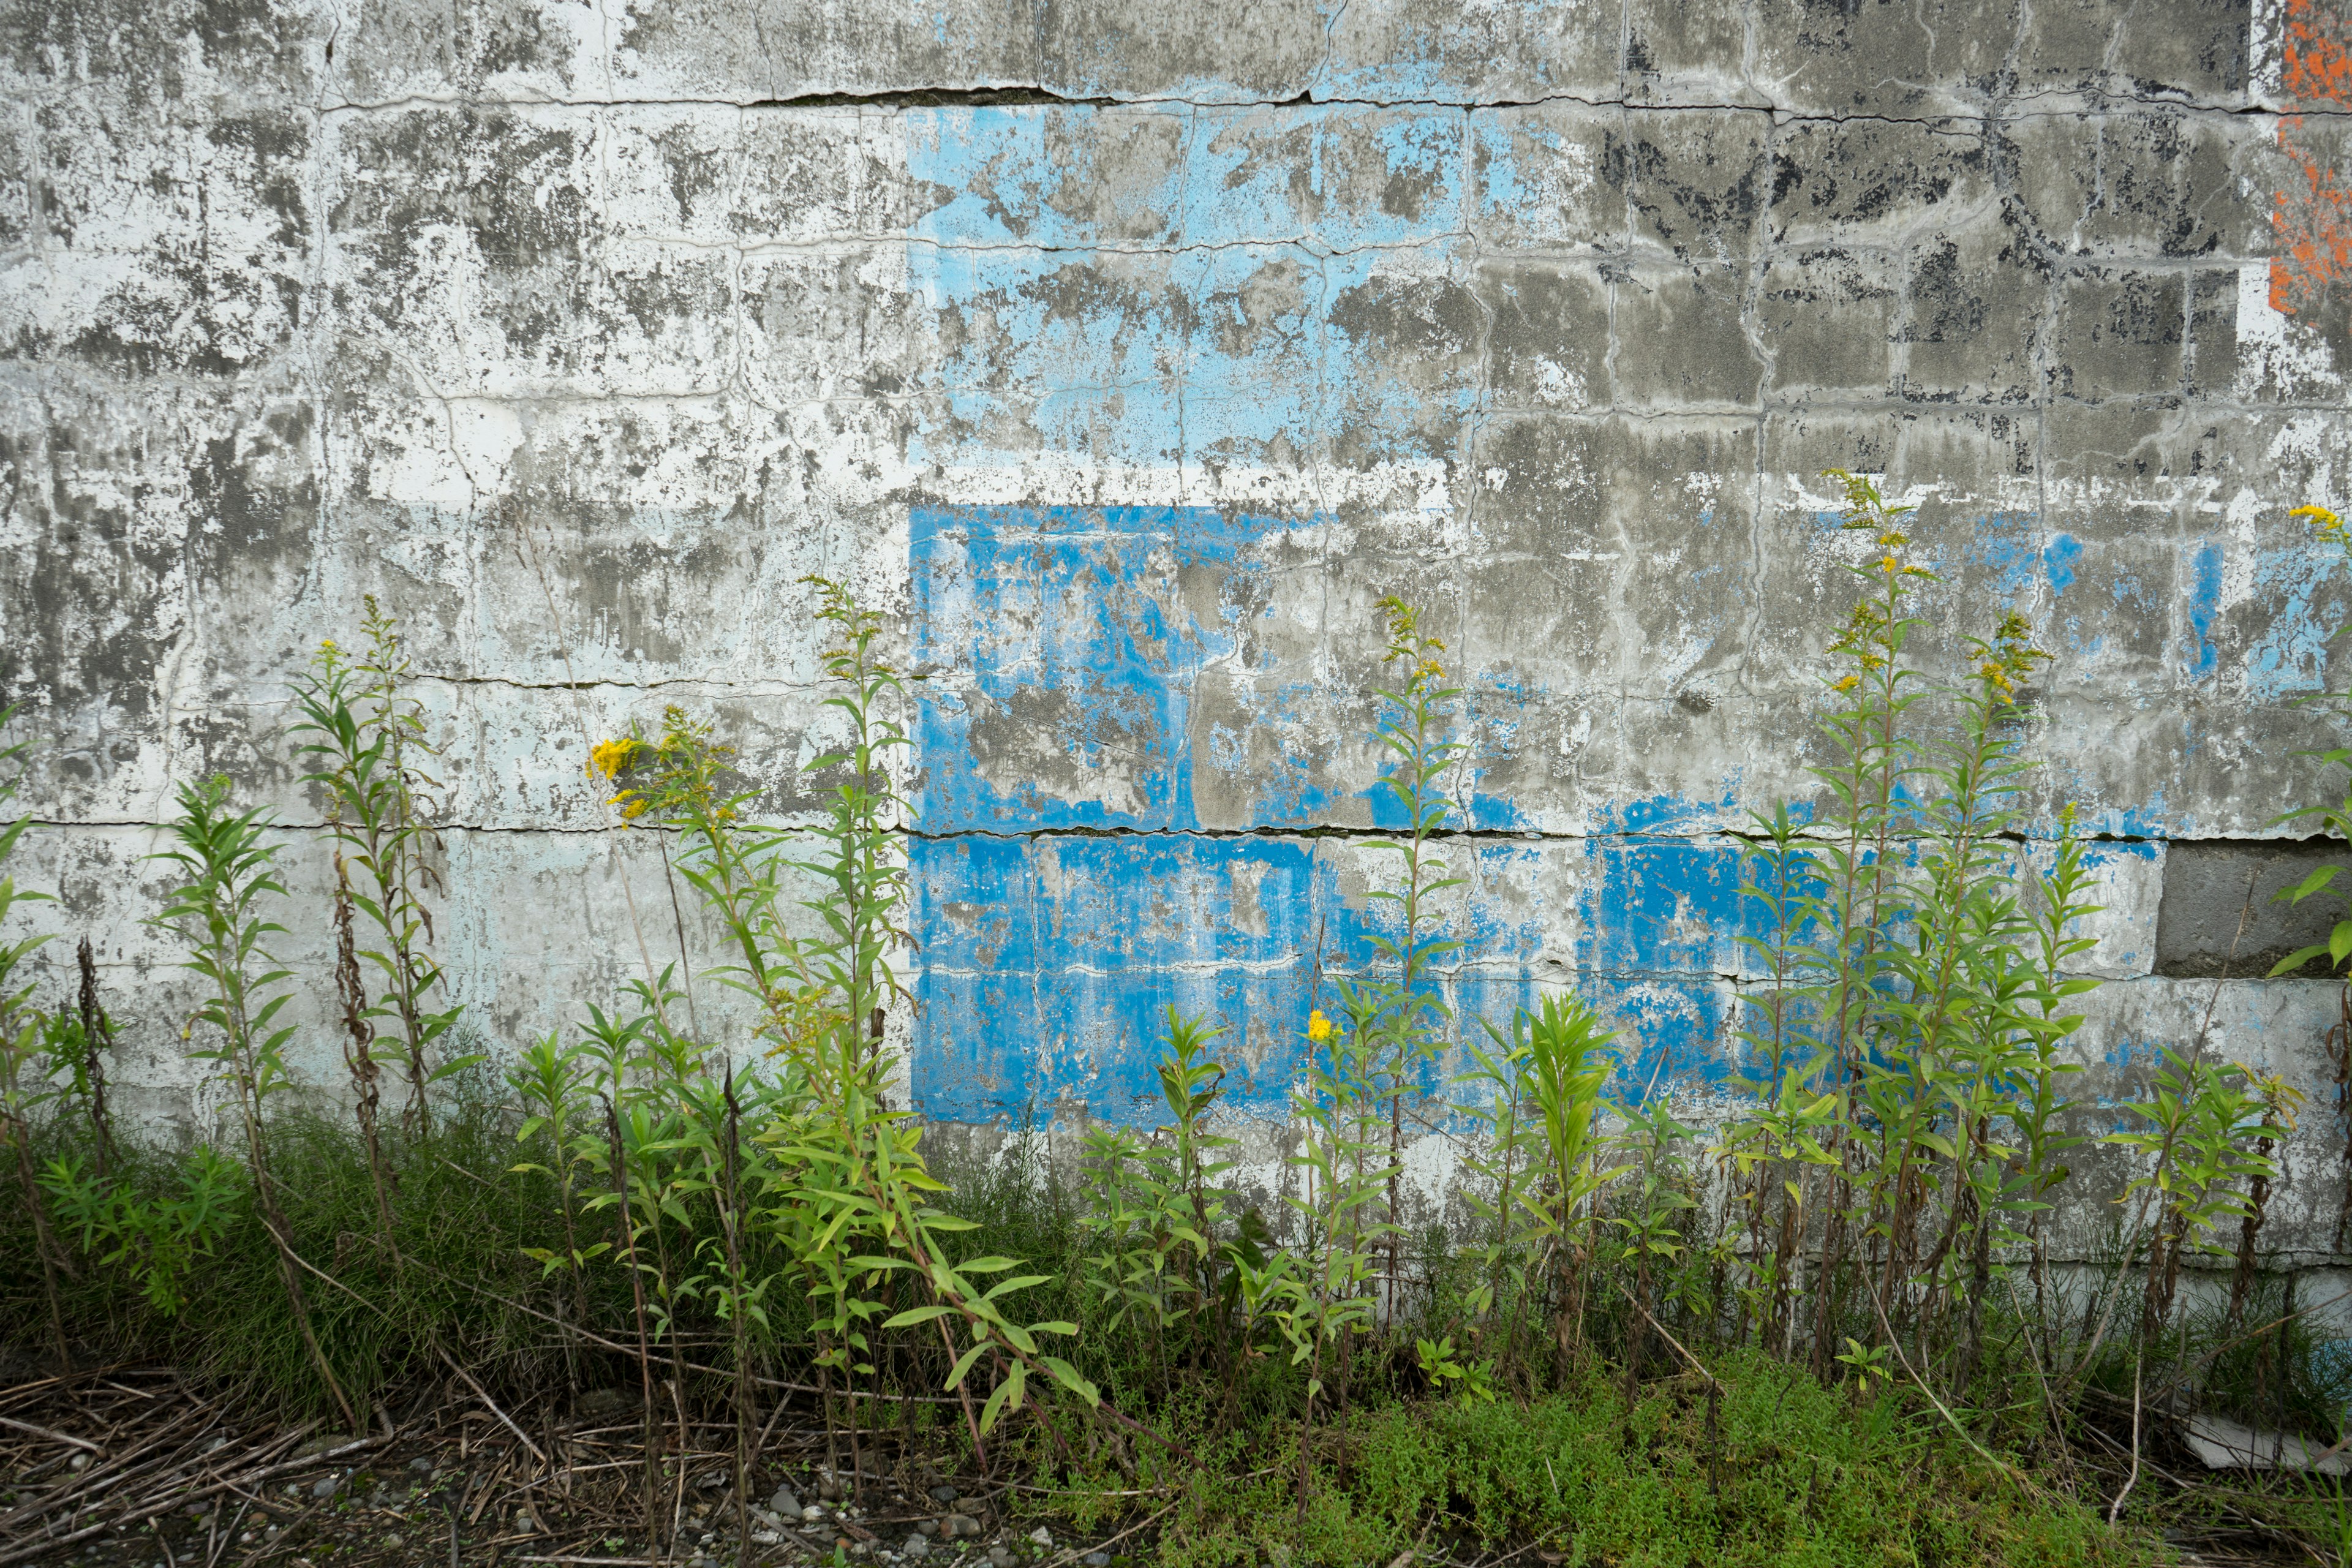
2004,543
2290,657
2204,605
1048,962
1073,643
2150,821
1180,312
2058,558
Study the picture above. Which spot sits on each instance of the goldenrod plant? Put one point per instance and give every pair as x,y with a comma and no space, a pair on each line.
2039,1112
1327,1294
2200,1124
1863,823
1412,1019
227,878
157,1239
1552,1068
552,1088
1650,1219
830,1169
1155,1224
367,750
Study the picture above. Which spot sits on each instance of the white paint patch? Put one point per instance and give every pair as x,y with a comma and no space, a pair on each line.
2279,358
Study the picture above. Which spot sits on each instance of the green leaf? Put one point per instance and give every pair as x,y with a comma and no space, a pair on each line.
1018,1282
1067,1376
914,1315
2296,960
2308,886
1008,1393
962,1367
991,1265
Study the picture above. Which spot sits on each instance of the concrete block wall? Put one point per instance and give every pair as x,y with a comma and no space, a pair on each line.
1127,353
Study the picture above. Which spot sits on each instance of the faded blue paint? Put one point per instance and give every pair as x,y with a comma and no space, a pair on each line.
1233,304
2205,607
1681,814
2289,657
2152,821
1532,173
1048,961
1673,1033
1077,638
1070,323
1339,177
2058,558
2004,543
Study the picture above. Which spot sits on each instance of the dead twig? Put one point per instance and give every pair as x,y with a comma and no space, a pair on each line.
1695,1363
483,1394
31,1549
2117,1507
1066,1558
12,1422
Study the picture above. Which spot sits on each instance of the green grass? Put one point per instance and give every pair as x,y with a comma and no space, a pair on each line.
1783,1471
1788,1474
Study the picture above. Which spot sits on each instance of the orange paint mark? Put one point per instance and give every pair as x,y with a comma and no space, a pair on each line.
2314,214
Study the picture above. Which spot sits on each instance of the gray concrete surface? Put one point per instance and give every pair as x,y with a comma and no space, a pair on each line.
1127,353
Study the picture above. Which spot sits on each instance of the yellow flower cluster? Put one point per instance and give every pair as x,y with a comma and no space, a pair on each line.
1407,641
2330,525
1318,1027
1863,639
2009,658
609,759
1892,563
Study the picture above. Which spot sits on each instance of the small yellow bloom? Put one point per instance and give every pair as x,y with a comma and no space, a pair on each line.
609,757
1845,683
1318,1027
2330,525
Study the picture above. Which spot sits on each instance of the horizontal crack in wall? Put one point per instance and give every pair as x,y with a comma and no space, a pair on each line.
2053,103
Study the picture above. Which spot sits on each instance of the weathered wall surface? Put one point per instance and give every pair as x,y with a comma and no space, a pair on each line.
1128,352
